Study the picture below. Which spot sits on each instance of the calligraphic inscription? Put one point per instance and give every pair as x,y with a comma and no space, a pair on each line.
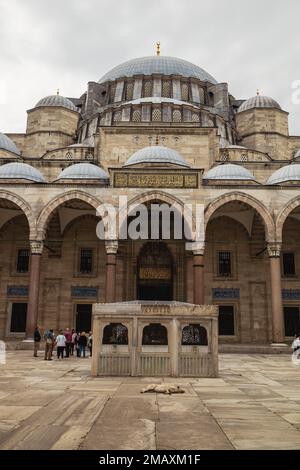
155,180
153,272
84,291
226,293
17,291
291,294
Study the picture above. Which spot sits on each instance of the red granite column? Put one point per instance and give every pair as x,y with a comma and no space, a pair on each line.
111,272
34,285
198,275
276,293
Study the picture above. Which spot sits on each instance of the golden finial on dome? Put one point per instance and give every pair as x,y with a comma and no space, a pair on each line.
158,48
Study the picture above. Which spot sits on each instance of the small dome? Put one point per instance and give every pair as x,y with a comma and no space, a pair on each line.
286,173
163,65
7,144
83,171
17,170
156,154
259,101
56,100
229,171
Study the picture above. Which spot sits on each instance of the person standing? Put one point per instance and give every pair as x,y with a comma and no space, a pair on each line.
90,343
49,342
82,343
68,337
61,344
73,341
36,339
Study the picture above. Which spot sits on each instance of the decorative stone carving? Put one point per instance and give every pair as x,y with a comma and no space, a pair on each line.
274,249
155,180
111,247
36,247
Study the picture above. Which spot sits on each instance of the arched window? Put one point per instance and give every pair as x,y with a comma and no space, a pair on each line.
115,333
156,114
194,335
155,334
69,155
211,98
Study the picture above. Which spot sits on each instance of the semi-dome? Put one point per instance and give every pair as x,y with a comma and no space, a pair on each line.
259,101
56,100
229,171
7,144
86,171
284,174
156,155
164,65
17,170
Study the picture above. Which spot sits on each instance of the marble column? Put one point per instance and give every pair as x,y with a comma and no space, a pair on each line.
111,247
276,292
198,274
36,248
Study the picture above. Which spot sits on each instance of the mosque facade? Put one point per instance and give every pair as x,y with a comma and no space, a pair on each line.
155,129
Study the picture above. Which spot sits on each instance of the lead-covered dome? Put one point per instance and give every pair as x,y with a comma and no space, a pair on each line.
58,101
285,174
17,170
86,171
156,155
7,144
163,65
259,101
229,171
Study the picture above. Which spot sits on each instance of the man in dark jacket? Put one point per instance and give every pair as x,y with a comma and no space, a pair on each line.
36,339
82,342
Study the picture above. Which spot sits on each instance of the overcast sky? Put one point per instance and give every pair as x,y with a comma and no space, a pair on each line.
50,44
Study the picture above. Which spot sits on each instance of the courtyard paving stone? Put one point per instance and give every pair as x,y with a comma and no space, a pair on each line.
254,404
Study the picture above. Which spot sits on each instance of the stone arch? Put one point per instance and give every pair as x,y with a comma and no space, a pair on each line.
283,215
160,196
250,201
25,208
48,210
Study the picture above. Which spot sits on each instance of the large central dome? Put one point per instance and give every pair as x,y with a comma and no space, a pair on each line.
164,65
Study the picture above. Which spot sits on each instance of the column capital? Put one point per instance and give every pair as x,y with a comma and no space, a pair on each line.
36,247
274,249
111,247
197,248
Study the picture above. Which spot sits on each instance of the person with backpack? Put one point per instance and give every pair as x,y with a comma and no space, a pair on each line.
49,343
73,342
36,339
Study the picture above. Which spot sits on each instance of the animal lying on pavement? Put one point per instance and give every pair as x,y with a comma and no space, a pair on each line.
163,388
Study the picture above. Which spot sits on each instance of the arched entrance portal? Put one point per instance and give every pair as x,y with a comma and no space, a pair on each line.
155,272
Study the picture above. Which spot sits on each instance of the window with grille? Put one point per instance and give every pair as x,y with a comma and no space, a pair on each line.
147,88
201,95
117,116
156,114
244,157
166,88
226,320
69,156
288,262
176,115
195,117
184,92
136,115
23,261
112,93
86,261
224,263
129,91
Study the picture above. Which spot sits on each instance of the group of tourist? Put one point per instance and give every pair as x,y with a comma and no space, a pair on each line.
68,343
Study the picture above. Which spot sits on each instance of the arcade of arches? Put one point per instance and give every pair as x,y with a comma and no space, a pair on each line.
54,278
